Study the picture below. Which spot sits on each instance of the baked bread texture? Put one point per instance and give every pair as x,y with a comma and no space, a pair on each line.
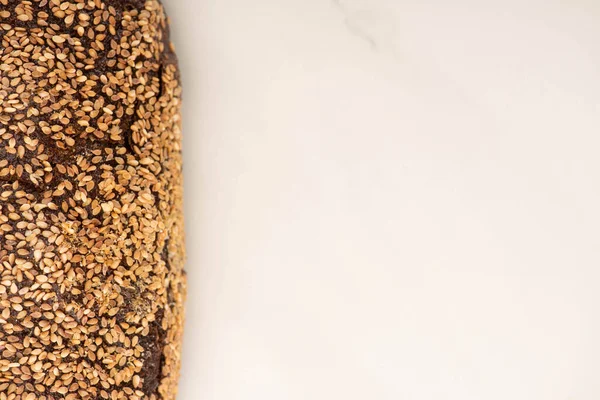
92,283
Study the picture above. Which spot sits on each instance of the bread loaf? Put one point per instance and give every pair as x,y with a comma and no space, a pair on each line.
91,229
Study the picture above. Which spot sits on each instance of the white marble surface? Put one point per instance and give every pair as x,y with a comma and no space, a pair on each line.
391,199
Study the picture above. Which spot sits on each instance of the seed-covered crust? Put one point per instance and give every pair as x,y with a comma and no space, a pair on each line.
91,232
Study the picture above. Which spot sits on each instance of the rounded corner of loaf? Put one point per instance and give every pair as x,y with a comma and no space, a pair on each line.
91,216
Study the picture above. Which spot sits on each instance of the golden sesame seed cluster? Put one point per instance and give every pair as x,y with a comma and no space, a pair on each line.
91,226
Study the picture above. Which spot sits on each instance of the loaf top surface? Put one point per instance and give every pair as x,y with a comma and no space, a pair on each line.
91,229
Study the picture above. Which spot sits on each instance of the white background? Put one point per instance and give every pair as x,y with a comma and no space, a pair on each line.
391,199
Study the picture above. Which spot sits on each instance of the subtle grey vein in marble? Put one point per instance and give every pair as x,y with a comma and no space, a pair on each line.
353,27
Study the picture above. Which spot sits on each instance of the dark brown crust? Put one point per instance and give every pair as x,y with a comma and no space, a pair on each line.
91,230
